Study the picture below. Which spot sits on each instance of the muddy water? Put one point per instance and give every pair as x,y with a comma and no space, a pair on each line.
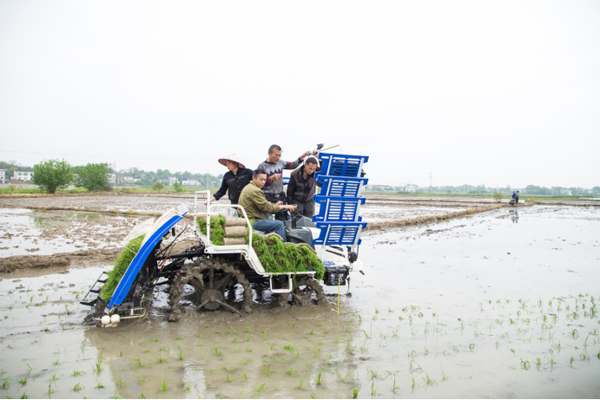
25,231
494,305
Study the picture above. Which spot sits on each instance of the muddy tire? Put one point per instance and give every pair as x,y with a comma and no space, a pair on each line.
215,283
307,291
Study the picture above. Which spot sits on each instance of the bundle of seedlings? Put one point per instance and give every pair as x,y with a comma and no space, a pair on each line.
121,264
279,257
275,255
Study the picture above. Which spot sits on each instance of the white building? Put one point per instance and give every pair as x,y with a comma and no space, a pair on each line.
22,176
172,180
2,175
111,177
189,182
411,188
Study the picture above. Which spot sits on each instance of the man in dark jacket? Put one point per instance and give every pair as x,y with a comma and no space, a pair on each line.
301,187
234,180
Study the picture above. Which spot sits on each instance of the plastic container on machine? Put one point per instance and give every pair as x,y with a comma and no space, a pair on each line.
339,201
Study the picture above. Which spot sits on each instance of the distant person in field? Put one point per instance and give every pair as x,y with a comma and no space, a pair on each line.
234,181
301,187
517,198
273,167
256,206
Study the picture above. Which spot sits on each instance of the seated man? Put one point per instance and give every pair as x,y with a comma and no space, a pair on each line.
256,205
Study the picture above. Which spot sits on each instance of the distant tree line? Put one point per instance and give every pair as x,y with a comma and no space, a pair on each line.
483,190
54,175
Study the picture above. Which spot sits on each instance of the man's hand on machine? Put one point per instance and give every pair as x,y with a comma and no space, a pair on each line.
290,207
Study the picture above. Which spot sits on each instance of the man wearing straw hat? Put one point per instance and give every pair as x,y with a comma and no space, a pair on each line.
234,180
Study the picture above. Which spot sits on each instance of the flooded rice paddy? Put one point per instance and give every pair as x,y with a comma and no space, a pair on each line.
500,304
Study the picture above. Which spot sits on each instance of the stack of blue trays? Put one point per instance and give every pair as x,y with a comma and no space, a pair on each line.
339,212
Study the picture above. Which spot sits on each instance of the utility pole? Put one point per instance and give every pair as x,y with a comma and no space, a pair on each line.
430,179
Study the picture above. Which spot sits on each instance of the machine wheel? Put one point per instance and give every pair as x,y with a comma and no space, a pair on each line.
307,291
213,284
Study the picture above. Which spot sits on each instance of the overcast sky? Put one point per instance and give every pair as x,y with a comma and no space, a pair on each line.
472,92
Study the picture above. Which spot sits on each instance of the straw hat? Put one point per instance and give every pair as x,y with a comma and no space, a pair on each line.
232,157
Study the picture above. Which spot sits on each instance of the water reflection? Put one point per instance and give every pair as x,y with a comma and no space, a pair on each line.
514,216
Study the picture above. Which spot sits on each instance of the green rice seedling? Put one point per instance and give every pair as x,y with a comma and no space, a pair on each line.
229,378
50,391
164,384
288,347
245,362
23,381
373,389
77,387
260,388
265,335
161,360
313,395
120,383
100,386
245,377
139,362
248,329
300,383
154,339
143,395
394,387
267,369
77,373
97,367
180,355
311,332
318,381
292,372
355,393
525,364
217,352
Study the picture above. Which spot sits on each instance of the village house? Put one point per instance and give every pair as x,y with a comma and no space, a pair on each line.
2,175
22,176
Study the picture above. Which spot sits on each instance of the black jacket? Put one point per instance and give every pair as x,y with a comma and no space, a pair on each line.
234,184
301,190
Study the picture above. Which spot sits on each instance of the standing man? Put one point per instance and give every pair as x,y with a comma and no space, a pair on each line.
256,206
273,167
234,180
517,198
301,187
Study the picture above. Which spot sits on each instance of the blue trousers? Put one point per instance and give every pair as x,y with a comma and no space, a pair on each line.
270,225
